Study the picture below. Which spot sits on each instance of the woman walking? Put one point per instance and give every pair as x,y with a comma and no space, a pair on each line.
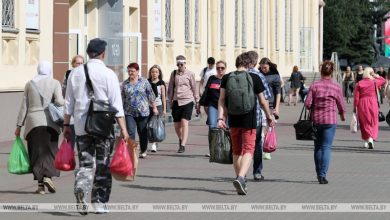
296,80
40,132
348,79
367,106
138,96
159,89
323,98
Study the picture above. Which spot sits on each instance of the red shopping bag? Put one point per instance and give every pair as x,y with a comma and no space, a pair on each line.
122,167
270,141
65,157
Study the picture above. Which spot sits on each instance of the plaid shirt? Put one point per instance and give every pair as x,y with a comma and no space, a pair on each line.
267,94
323,98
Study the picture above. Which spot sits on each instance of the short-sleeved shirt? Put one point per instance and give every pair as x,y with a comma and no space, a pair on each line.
157,90
214,84
247,120
273,80
136,97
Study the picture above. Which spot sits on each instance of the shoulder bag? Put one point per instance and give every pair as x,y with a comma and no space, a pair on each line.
55,112
101,115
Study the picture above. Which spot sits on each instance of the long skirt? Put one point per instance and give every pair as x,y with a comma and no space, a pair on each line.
42,144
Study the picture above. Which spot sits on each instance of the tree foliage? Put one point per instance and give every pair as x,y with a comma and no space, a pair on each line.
349,28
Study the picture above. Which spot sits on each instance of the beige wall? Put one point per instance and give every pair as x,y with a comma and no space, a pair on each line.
22,51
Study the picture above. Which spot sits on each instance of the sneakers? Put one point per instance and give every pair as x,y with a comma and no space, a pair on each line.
267,156
153,148
322,180
370,143
142,155
49,184
181,149
240,185
258,177
100,208
40,190
365,144
82,206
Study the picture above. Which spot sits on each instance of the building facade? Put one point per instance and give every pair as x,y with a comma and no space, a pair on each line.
150,32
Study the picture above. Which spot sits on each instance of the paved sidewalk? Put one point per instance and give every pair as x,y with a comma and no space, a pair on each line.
356,175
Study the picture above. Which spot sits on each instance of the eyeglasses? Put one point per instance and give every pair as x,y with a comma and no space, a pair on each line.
180,64
220,68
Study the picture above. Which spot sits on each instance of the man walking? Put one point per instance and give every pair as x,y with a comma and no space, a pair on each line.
105,87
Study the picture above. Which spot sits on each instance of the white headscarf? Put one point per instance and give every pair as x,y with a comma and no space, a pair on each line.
44,70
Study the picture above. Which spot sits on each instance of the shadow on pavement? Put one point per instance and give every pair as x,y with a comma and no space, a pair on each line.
15,192
63,214
338,148
156,188
215,179
287,181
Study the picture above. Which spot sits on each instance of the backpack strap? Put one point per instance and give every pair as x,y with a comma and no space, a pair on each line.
204,72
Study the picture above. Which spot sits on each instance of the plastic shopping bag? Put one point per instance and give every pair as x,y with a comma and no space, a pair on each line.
270,141
353,126
18,161
220,146
124,162
65,160
156,129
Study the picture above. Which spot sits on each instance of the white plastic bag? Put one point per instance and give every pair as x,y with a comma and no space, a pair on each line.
353,126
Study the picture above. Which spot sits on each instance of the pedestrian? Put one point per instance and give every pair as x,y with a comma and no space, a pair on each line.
138,97
241,113
366,105
296,80
211,93
381,72
359,74
271,73
183,96
159,89
387,86
106,87
206,72
324,96
76,61
261,122
40,132
348,79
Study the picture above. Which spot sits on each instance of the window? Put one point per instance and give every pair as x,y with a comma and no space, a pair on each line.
255,24
243,23
187,20
8,16
168,31
196,31
236,23
261,24
222,22
276,25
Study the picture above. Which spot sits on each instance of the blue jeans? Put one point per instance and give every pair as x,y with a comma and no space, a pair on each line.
213,116
140,123
323,147
258,155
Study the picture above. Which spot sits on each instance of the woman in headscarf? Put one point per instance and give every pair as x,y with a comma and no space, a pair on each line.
40,132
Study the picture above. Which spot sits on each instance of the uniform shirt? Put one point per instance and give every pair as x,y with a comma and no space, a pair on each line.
247,120
105,85
136,97
267,95
323,98
182,88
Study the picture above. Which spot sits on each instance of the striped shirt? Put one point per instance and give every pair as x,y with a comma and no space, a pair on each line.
323,98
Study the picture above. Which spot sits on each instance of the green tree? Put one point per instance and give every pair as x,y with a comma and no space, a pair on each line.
349,28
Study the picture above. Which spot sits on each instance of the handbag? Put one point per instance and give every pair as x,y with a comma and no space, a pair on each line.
388,118
101,115
220,146
304,129
381,116
55,112
353,125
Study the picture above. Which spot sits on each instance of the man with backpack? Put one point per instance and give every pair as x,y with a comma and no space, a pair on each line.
238,94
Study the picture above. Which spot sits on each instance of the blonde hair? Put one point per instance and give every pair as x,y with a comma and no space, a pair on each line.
75,58
367,72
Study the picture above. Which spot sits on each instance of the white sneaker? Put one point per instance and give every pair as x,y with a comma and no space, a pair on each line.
100,208
370,143
365,144
143,155
154,148
267,156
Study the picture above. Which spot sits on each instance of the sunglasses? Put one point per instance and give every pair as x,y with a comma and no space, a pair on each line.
180,64
220,68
